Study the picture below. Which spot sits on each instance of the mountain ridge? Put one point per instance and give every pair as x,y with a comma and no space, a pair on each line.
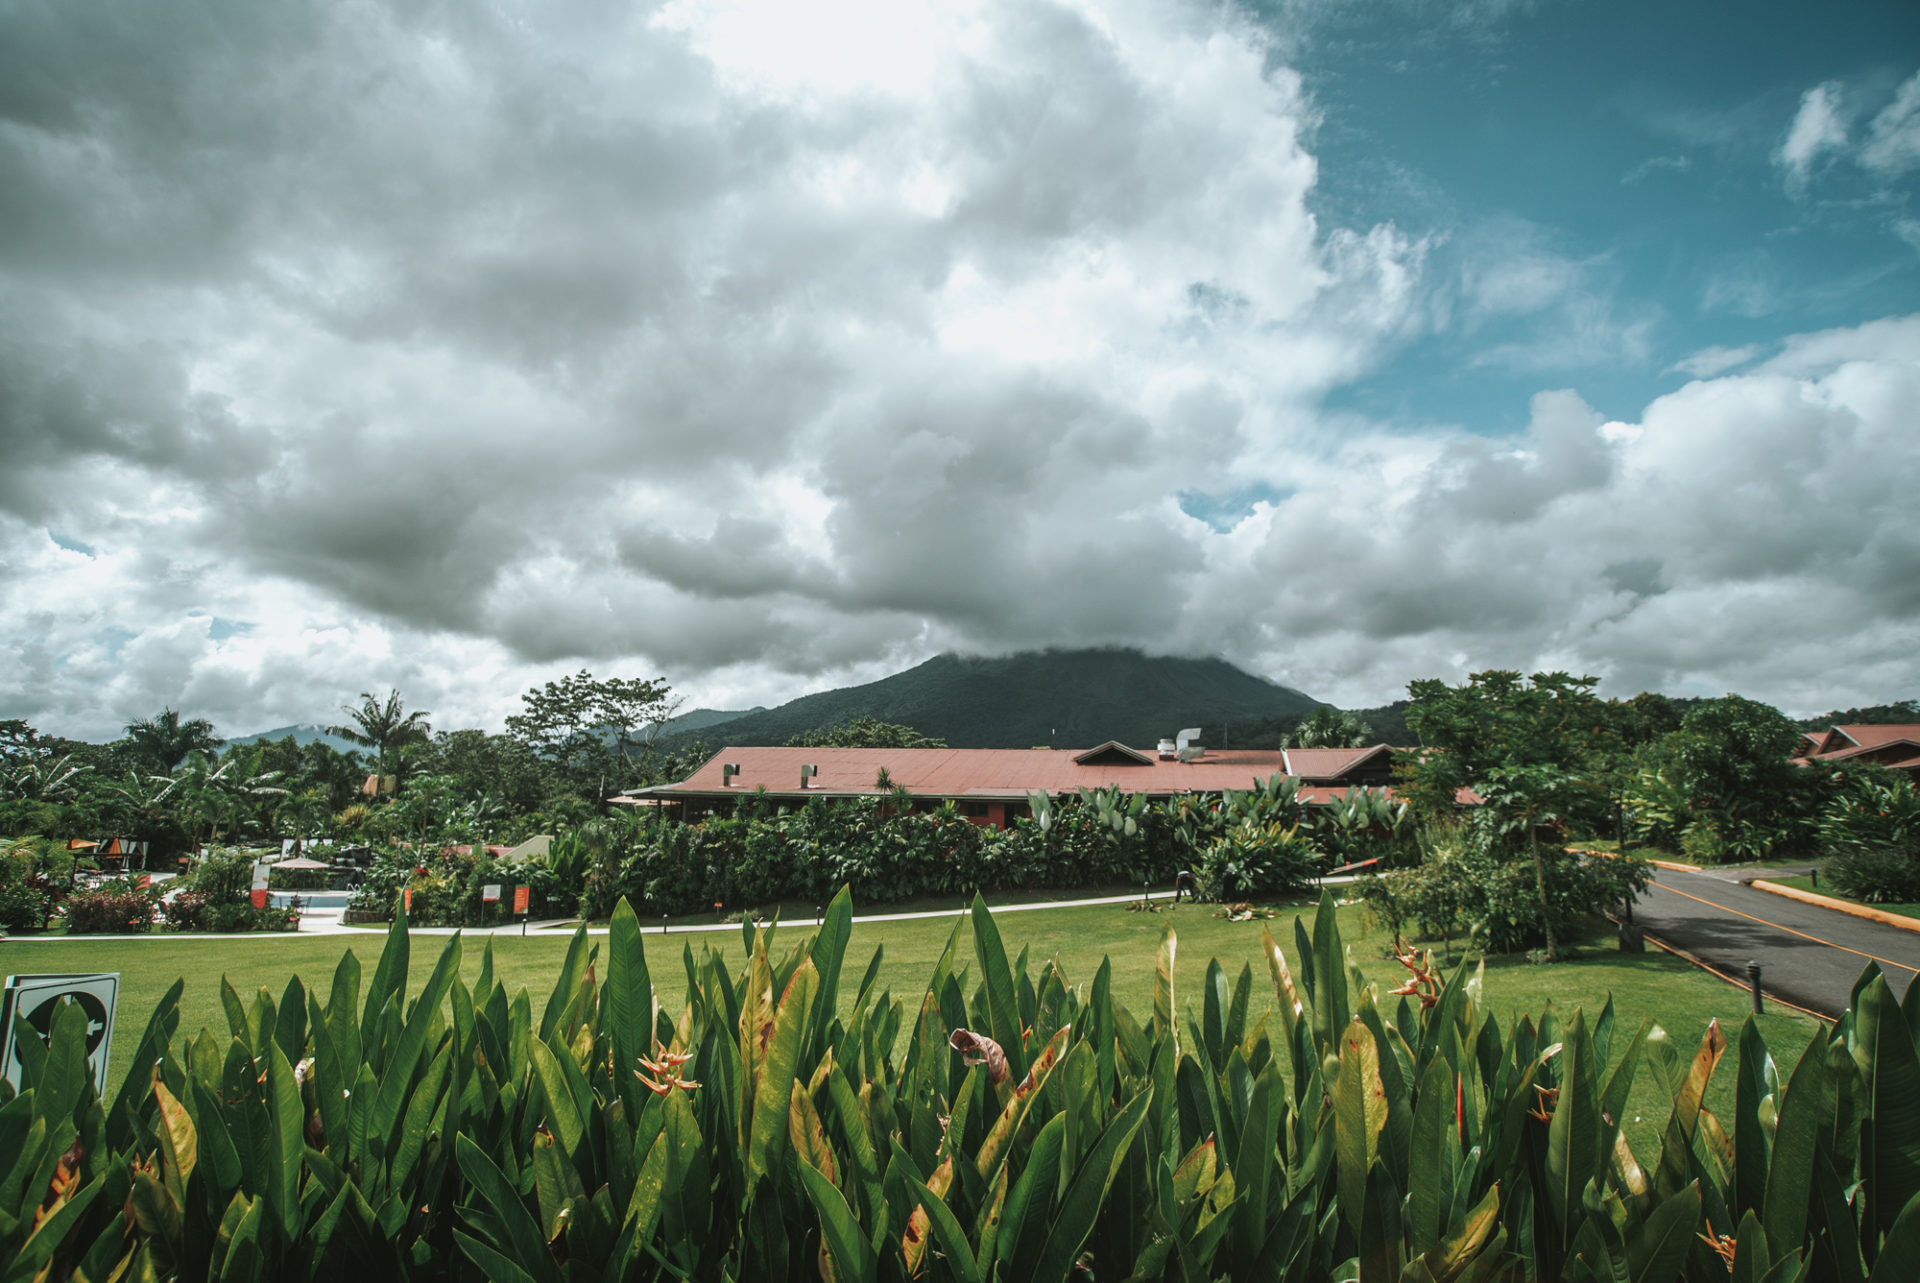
1066,699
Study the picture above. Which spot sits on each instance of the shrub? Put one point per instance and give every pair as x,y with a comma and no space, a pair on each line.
299,879
185,910
1257,861
26,903
1702,843
192,911
223,875
1876,874
1470,885
232,917
1871,813
109,913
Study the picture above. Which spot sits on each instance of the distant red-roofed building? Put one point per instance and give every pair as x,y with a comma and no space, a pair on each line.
1896,747
991,785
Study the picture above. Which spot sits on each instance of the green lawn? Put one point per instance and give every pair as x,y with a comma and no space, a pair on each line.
1806,884
1644,986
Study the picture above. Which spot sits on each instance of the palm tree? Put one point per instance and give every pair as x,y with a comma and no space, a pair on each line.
165,740
1329,728
385,728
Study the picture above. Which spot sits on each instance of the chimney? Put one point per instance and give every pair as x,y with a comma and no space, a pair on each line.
727,771
1184,746
1168,750
807,773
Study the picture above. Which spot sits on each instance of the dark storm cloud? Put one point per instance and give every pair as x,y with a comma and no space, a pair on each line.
450,347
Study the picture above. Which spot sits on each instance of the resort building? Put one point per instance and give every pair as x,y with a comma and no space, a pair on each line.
1896,747
991,785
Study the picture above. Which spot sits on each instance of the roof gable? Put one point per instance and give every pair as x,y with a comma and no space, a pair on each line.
1112,753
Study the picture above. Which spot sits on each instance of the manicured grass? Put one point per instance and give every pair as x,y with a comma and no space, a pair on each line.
1806,884
1649,986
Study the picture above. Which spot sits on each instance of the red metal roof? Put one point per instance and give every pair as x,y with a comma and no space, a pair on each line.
1858,741
1330,763
1002,772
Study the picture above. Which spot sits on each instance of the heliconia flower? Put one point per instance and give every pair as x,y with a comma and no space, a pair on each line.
1723,1245
1424,984
666,1071
976,1049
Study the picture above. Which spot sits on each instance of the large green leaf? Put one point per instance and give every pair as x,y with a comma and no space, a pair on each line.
389,975
1574,1132
779,1055
1658,1251
853,1257
1804,1116
288,1121
523,1243
1890,1131
1330,1007
1359,1111
1750,1136
154,1042
1003,1003
627,999
1081,1206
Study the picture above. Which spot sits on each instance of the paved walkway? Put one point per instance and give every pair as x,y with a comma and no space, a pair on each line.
326,921
1808,955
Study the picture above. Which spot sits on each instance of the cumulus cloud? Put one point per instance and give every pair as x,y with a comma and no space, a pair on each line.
1710,361
1819,126
467,347
1892,145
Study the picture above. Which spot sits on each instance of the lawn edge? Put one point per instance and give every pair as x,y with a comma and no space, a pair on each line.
1871,914
1702,964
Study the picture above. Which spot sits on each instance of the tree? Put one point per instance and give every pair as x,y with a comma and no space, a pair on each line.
1500,719
165,741
494,765
570,721
388,729
1329,728
864,732
1730,766
1535,750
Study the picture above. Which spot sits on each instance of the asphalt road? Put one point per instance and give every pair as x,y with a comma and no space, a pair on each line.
1808,955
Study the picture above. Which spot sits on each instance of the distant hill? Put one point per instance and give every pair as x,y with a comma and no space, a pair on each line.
303,733
701,718
1071,699
1899,714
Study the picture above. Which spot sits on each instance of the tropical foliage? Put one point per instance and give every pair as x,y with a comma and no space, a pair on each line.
1012,1123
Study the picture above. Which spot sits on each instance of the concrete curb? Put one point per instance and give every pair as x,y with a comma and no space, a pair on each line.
1671,866
1868,912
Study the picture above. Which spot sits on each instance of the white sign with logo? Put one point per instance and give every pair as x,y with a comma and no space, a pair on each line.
34,999
490,893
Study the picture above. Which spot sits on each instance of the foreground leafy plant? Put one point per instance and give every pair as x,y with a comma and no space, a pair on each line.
1010,1125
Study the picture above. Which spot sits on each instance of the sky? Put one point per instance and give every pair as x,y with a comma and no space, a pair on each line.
768,348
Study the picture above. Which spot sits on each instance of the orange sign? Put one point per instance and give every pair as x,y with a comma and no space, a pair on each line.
522,897
260,897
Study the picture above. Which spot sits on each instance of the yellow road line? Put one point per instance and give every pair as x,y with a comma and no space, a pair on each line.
1714,904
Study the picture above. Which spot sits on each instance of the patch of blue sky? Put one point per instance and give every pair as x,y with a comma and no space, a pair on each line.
70,543
221,629
112,640
1223,510
1603,188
